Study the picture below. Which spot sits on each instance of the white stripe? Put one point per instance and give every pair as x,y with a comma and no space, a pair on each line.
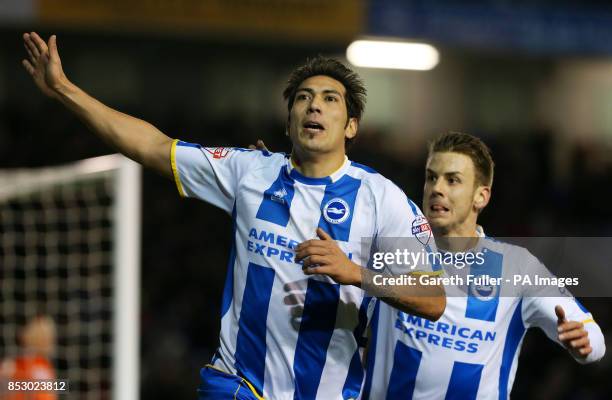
432,378
281,347
307,200
229,325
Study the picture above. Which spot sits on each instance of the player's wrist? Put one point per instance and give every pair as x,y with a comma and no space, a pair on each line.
63,88
355,274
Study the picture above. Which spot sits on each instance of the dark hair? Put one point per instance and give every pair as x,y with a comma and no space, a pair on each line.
470,146
355,96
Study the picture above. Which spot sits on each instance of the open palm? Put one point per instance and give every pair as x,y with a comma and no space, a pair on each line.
43,63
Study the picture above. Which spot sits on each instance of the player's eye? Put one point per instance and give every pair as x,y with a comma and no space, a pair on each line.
301,96
331,98
454,180
431,178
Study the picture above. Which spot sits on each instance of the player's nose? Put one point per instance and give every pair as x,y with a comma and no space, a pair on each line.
315,104
437,187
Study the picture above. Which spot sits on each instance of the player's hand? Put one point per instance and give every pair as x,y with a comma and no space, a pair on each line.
573,335
44,64
323,257
259,145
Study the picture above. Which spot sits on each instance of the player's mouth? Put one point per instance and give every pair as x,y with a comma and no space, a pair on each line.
313,127
438,210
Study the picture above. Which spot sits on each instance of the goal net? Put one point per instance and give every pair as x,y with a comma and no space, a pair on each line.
70,250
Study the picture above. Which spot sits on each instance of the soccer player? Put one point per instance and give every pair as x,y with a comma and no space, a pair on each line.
37,345
278,204
472,351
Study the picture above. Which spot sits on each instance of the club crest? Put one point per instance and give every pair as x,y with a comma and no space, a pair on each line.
484,292
336,211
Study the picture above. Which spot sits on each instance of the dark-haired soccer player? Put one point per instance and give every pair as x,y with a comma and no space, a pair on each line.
277,203
472,351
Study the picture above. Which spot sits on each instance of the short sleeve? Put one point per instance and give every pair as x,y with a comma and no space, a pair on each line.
402,226
212,174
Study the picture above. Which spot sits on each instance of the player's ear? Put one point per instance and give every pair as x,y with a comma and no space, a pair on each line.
351,128
482,195
287,125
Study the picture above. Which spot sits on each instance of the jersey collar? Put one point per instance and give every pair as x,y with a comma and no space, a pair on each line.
480,232
296,175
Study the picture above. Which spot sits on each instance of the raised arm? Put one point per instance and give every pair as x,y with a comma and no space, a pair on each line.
133,137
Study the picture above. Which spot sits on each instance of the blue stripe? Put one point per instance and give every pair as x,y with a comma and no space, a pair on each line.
436,266
276,201
406,361
186,144
371,357
583,308
266,153
220,385
345,188
363,167
516,330
464,381
228,288
363,320
251,341
354,379
414,207
352,384
478,308
295,174
316,329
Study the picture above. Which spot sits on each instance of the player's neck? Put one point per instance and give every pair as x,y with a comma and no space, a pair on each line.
318,166
457,238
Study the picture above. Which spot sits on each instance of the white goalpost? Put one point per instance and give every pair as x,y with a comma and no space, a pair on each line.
70,250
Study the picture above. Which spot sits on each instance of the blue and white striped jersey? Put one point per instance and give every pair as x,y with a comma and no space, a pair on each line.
314,353
472,351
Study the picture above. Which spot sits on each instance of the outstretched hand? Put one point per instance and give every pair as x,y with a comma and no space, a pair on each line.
323,256
573,335
43,63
